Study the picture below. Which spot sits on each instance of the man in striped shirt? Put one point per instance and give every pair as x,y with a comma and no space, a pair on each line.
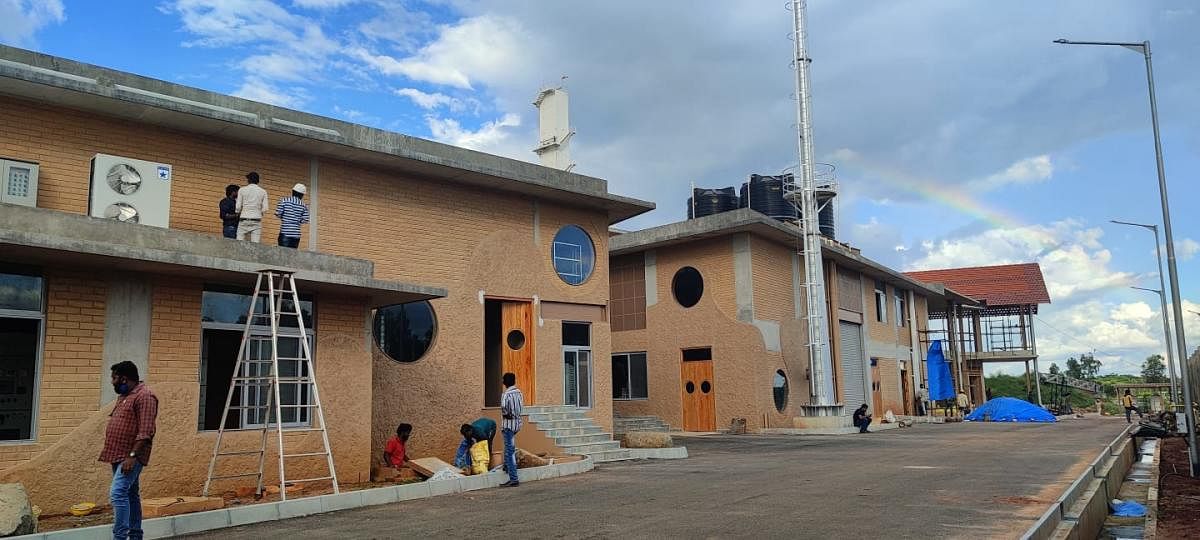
292,214
512,405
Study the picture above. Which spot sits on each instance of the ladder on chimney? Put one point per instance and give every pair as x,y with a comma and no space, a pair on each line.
257,380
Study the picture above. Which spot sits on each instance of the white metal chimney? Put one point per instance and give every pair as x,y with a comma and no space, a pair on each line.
554,132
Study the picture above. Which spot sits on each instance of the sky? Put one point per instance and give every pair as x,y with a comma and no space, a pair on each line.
960,134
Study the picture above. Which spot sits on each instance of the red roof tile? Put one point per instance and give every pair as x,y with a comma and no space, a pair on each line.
1006,285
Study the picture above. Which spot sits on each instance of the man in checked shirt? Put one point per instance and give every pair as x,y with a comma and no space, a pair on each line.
127,444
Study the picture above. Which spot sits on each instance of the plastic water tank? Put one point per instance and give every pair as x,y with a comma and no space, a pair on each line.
764,194
711,201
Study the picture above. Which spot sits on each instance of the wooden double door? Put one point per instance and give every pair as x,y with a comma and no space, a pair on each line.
699,395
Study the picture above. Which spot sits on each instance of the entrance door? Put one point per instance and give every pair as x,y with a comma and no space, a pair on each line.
904,392
699,400
876,389
516,320
854,387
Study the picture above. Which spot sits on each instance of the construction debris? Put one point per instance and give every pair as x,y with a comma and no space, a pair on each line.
170,506
429,466
647,439
16,515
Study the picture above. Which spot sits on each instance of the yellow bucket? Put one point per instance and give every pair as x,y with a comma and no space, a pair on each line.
82,509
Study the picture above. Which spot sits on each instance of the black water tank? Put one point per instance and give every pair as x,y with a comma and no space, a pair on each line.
825,221
711,201
764,194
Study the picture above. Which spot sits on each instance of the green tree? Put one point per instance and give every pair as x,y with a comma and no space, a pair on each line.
1053,368
1154,370
1074,369
1089,366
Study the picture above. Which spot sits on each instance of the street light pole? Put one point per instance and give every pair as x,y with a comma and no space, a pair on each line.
1162,299
1177,307
1170,356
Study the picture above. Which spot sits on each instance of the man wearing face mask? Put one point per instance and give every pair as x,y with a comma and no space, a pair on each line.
127,444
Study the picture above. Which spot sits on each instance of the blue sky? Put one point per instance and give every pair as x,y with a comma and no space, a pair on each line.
961,134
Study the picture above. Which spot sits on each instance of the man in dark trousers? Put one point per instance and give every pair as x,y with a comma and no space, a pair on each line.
1130,407
483,429
127,442
229,213
512,405
861,419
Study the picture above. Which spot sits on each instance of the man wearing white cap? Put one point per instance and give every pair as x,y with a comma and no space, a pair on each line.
292,214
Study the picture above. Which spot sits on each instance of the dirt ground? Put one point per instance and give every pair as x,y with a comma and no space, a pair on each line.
1179,494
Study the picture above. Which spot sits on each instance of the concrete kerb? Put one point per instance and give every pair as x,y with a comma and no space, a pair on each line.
1064,515
166,527
675,452
1151,530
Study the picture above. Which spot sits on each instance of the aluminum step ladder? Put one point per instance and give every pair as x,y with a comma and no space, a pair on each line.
257,380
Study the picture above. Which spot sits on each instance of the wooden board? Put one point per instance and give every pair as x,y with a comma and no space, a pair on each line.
429,466
699,405
170,506
518,317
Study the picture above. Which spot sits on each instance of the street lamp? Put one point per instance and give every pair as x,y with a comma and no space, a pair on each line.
1162,298
1180,341
1167,330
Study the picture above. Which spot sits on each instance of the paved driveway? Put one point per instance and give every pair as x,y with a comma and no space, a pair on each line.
930,481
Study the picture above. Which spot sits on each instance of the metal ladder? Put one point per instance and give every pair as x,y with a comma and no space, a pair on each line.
257,376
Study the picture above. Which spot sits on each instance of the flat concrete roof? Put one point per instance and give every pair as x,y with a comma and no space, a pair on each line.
67,83
40,237
745,220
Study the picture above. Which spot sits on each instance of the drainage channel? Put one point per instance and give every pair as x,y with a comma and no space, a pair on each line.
1136,486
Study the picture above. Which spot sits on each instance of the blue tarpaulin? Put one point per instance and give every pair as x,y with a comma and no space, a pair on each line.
1007,409
941,386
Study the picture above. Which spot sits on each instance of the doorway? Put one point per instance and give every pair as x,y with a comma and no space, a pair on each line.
906,393
508,348
698,390
577,364
876,389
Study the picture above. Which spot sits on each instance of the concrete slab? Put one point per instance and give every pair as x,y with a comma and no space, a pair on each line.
253,513
676,452
300,507
341,501
201,521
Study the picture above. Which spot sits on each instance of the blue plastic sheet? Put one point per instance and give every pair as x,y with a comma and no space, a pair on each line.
941,386
1127,508
1007,409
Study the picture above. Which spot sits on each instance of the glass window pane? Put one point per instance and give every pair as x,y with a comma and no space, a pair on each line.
574,254
585,378
578,334
571,377
637,376
620,376
18,377
232,308
20,292
405,332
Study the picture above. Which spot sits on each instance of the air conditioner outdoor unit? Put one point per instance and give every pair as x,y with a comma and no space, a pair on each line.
130,190
18,182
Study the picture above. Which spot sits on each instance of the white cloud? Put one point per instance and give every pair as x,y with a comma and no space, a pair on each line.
322,4
260,90
488,137
1186,249
22,19
426,100
277,66
1025,171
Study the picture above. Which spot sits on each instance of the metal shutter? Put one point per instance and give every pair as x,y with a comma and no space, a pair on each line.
853,383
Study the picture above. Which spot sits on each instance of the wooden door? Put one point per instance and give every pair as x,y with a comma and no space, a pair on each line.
516,320
905,394
699,396
876,392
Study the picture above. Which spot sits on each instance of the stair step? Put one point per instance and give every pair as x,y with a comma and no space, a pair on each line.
543,409
582,439
568,432
560,424
611,455
550,417
589,448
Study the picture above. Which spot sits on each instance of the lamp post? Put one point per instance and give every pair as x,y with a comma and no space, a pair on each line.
1180,341
1162,297
1167,337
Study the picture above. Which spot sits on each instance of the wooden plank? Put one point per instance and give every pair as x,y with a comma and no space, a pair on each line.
429,466
170,506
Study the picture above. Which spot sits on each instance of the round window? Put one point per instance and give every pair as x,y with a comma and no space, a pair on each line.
405,332
687,286
690,387
780,388
574,254
516,340
705,387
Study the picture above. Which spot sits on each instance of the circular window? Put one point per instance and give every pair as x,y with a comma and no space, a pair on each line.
516,340
405,332
574,254
705,387
688,286
780,388
690,387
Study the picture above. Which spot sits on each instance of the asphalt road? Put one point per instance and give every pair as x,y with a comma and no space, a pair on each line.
929,481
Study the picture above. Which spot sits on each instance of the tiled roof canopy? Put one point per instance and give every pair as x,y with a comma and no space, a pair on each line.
1006,285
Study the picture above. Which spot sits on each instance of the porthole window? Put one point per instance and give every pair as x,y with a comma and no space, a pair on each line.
574,254
690,387
516,340
687,286
706,387
404,332
780,388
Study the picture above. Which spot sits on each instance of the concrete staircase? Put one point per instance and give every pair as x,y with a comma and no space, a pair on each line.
575,432
626,424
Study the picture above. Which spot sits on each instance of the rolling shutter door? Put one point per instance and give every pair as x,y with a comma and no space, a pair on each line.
853,385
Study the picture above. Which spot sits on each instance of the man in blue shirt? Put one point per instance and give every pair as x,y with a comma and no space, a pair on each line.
229,213
292,214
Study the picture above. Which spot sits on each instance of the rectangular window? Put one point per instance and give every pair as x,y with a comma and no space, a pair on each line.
901,308
697,354
627,292
22,321
577,364
880,301
629,376
223,317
